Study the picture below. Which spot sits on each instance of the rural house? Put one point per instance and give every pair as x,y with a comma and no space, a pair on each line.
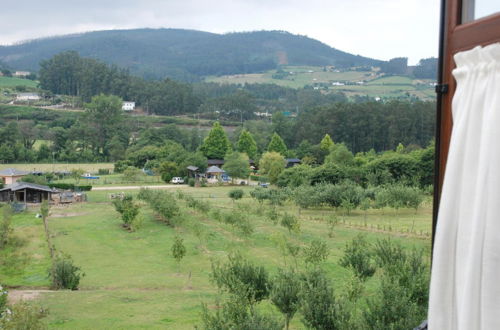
27,97
128,106
11,175
25,192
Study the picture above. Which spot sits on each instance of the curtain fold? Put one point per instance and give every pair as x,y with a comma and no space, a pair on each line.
465,280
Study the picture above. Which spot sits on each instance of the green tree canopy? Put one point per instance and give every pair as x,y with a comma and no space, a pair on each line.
246,143
236,165
326,143
216,144
277,145
272,164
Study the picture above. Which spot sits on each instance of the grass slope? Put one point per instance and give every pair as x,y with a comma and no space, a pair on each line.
13,81
133,282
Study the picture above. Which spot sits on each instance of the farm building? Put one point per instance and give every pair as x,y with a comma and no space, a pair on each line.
27,97
25,192
128,106
11,175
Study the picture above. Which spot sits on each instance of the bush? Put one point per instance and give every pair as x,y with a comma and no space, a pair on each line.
103,171
128,211
121,165
191,182
241,278
316,252
163,204
290,222
236,314
235,194
23,315
64,274
358,257
3,299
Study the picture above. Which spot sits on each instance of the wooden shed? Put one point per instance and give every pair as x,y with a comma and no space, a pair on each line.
25,192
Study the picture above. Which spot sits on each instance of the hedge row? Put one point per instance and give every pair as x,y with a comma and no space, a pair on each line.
69,186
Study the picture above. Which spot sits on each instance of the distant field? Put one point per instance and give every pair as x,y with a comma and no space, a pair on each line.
88,167
374,85
12,82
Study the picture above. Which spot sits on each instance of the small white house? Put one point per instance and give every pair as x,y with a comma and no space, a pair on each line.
27,97
21,73
128,106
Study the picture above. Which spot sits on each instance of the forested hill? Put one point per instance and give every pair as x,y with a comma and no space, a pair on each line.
184,54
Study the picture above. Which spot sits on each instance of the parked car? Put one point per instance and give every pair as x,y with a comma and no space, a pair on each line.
177,180
264,184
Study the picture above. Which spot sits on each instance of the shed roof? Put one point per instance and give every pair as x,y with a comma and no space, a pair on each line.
13,172
215,169
192,168
26,185
211,162
292,160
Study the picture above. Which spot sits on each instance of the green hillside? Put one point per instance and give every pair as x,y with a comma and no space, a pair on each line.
371,83
13,82
185,54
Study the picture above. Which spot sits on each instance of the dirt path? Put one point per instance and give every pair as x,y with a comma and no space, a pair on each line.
169,186
15,296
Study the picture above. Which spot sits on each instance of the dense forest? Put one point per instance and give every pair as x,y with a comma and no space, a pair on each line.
185,54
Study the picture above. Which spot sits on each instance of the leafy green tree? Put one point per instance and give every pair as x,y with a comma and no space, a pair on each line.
326,143
316,252
236,313
319,306
216,144
167,170
236,165
290,222
103,119
128,211
358,257
285,294
246,143
340,155
272,164
241,278
131,174
277,145
178,249
235,194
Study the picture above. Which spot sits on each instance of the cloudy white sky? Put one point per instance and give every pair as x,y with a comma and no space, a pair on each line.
381,29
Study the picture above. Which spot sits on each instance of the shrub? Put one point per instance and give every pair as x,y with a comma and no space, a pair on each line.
6,227
163,204
178,249
285,294
121,165
241,278
103,171
316,252
319,306
3,299
237,314
191,182
290,222
128,211
64,274
24,315
357,255
236,194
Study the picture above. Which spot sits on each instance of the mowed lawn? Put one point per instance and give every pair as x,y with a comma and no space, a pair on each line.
132,281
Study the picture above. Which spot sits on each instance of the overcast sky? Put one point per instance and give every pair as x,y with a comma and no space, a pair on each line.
381,29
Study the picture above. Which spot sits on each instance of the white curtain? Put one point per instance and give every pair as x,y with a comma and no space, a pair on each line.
465,281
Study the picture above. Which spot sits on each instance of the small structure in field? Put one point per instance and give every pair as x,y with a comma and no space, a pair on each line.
291,162
192,171
28,97
11,175
214,173
25,192
128,106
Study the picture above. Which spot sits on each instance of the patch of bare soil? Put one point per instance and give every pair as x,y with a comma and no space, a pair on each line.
25,295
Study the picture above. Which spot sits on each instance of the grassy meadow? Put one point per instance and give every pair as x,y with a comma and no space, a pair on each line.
13,82
132,281
375,85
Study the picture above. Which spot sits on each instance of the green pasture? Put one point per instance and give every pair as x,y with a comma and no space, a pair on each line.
13,81
131,279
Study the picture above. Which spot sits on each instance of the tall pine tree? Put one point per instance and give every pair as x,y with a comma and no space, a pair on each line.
247,144
277,145
216,144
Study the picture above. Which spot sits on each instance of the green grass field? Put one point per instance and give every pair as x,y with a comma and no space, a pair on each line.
88,167
13,81
131,279
374,86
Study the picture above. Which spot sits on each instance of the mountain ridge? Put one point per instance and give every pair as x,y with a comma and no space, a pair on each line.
184,54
